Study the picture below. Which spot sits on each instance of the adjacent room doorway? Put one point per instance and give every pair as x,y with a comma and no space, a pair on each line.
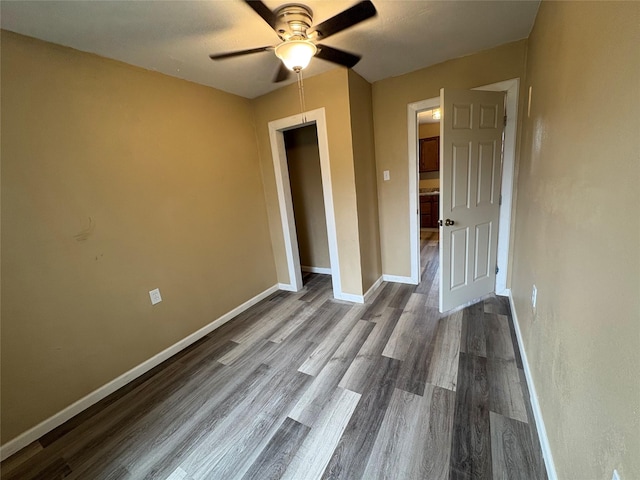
511,88
277,129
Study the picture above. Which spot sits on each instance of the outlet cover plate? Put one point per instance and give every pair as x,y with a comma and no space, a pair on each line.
155,296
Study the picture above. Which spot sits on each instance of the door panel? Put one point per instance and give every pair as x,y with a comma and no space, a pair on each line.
459,243
460,176
470,169
483,237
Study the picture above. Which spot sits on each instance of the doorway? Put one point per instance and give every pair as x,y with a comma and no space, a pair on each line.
305,176
277,128
511,87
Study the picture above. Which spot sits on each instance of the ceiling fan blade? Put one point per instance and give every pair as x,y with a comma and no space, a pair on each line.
351,16
282,74
220,56
264,11
337,56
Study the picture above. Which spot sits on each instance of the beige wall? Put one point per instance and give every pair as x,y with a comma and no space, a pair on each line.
390,100
426,130
115,181
577,234
364,160
303,159
331,91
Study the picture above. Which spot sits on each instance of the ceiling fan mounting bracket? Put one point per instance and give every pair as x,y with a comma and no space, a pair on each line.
292,21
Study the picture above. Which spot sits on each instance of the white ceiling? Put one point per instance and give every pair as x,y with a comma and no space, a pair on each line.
176,37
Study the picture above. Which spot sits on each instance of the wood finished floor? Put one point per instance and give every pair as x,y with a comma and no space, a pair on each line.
302,386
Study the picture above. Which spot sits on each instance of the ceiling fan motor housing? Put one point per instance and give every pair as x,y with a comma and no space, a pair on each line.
293,21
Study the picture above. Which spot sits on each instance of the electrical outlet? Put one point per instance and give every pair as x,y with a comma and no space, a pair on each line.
534,298
155,296
386,176
615,475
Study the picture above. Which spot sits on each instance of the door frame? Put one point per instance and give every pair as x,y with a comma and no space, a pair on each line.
511,87
285,201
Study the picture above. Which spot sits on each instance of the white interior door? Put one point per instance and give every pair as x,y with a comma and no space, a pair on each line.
470,166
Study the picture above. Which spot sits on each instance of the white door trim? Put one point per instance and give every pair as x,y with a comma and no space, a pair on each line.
283,185
512,87
414,214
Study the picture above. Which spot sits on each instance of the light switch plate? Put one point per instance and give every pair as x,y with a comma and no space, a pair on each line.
386,176
155,296
534,297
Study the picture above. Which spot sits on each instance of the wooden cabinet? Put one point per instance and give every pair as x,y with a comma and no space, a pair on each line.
430,154
429,211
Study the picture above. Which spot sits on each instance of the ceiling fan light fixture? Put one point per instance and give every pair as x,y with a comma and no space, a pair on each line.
296,54
436,114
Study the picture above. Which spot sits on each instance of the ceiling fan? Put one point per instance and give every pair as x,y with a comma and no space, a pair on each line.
293,23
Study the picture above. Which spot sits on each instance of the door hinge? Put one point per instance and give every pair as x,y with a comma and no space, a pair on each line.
500,200
497,269
505,120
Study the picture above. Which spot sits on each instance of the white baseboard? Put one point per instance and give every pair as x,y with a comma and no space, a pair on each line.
323,270
350,297
535,405
287,287
398,279
94,397
372,289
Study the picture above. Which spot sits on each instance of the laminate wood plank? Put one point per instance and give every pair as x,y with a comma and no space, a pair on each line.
411,425
20,457
293,323
401,296
328,346
511,449
402,334
314,454
391,451
505,391
318,287
362,367
236,444
179,474
443,366
214,420
473,339
313,401
499,344
416,365
471,441
351,455
377,307
269,321
496,306
49,467
430,261
435,436
278,453
319,324
159,441
433,297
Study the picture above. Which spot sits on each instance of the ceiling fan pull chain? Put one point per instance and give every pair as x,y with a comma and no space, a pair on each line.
303,108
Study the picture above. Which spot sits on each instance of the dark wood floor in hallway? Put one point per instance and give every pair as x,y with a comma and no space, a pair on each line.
302,386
